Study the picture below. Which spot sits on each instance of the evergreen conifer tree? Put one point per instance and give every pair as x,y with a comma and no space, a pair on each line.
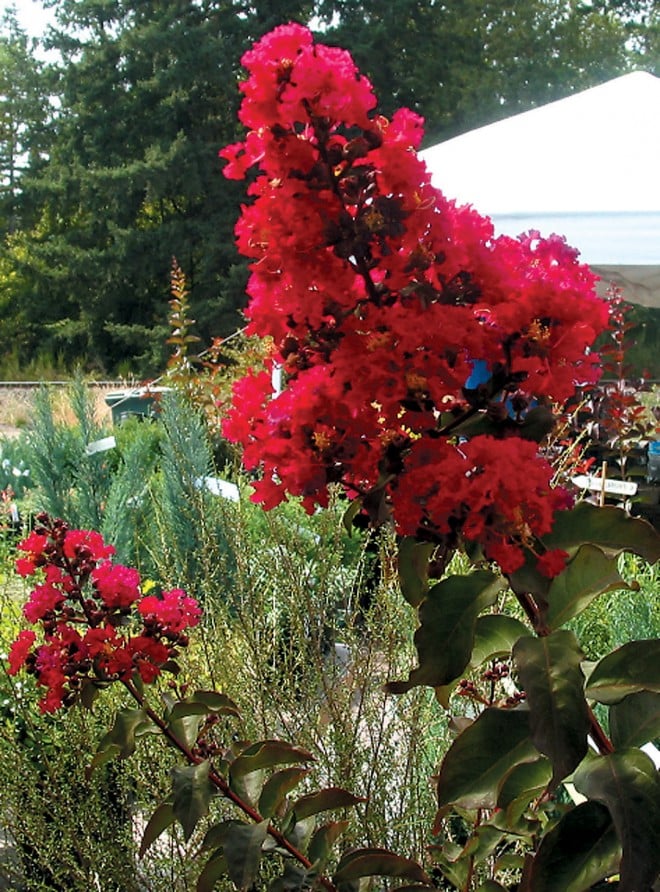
147,96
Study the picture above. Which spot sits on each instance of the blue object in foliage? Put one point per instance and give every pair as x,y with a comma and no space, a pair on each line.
480,374
653,464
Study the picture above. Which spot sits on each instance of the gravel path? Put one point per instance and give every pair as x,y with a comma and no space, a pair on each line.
15,409
16,404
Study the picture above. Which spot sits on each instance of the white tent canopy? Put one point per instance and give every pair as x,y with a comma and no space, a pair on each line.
586,167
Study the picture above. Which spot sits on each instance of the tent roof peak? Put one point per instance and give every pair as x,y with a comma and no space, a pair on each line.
593,151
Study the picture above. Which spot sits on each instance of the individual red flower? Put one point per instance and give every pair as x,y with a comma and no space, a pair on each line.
100,642
291,77
552,563
95,548
34,546
44,599
52,700
147,656
174,611
118,586
19,650
50,661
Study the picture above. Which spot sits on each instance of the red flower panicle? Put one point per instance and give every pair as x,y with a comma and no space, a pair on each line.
85,607
383,297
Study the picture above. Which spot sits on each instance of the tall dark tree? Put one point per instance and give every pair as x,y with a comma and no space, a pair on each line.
642,22
24,111
148,95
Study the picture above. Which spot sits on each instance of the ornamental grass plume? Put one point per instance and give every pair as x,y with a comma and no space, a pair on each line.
383,297
97,626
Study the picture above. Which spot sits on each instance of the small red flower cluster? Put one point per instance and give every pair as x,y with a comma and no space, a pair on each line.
383,297
85,606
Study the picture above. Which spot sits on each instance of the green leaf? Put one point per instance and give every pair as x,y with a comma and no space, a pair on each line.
378,862
162,818
294,879
482,755
214,869
248,787
477,425
242,850
129,724
324,838
241,845
627,783
214,838
537,424
491,886
171,666
202,703
483,842
521,785
494,636
528,779
119,742
509,861
527,579
350,514
453,871
549,671
89,691
192,791
631,668
590,573
608,527
324,800
217,703
267,754
186,727
635,720
581,849
299,832
445,637
188,707
276,788
413,559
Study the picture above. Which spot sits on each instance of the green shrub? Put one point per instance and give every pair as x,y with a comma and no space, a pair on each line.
303,625
64,831
71,483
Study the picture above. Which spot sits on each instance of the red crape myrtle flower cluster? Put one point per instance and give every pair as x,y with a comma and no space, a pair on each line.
383,298
96,624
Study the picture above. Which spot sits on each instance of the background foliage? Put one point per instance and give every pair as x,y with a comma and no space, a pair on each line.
304,625
108,151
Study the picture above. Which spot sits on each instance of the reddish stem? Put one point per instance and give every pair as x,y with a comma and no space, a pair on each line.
222,785
599,737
